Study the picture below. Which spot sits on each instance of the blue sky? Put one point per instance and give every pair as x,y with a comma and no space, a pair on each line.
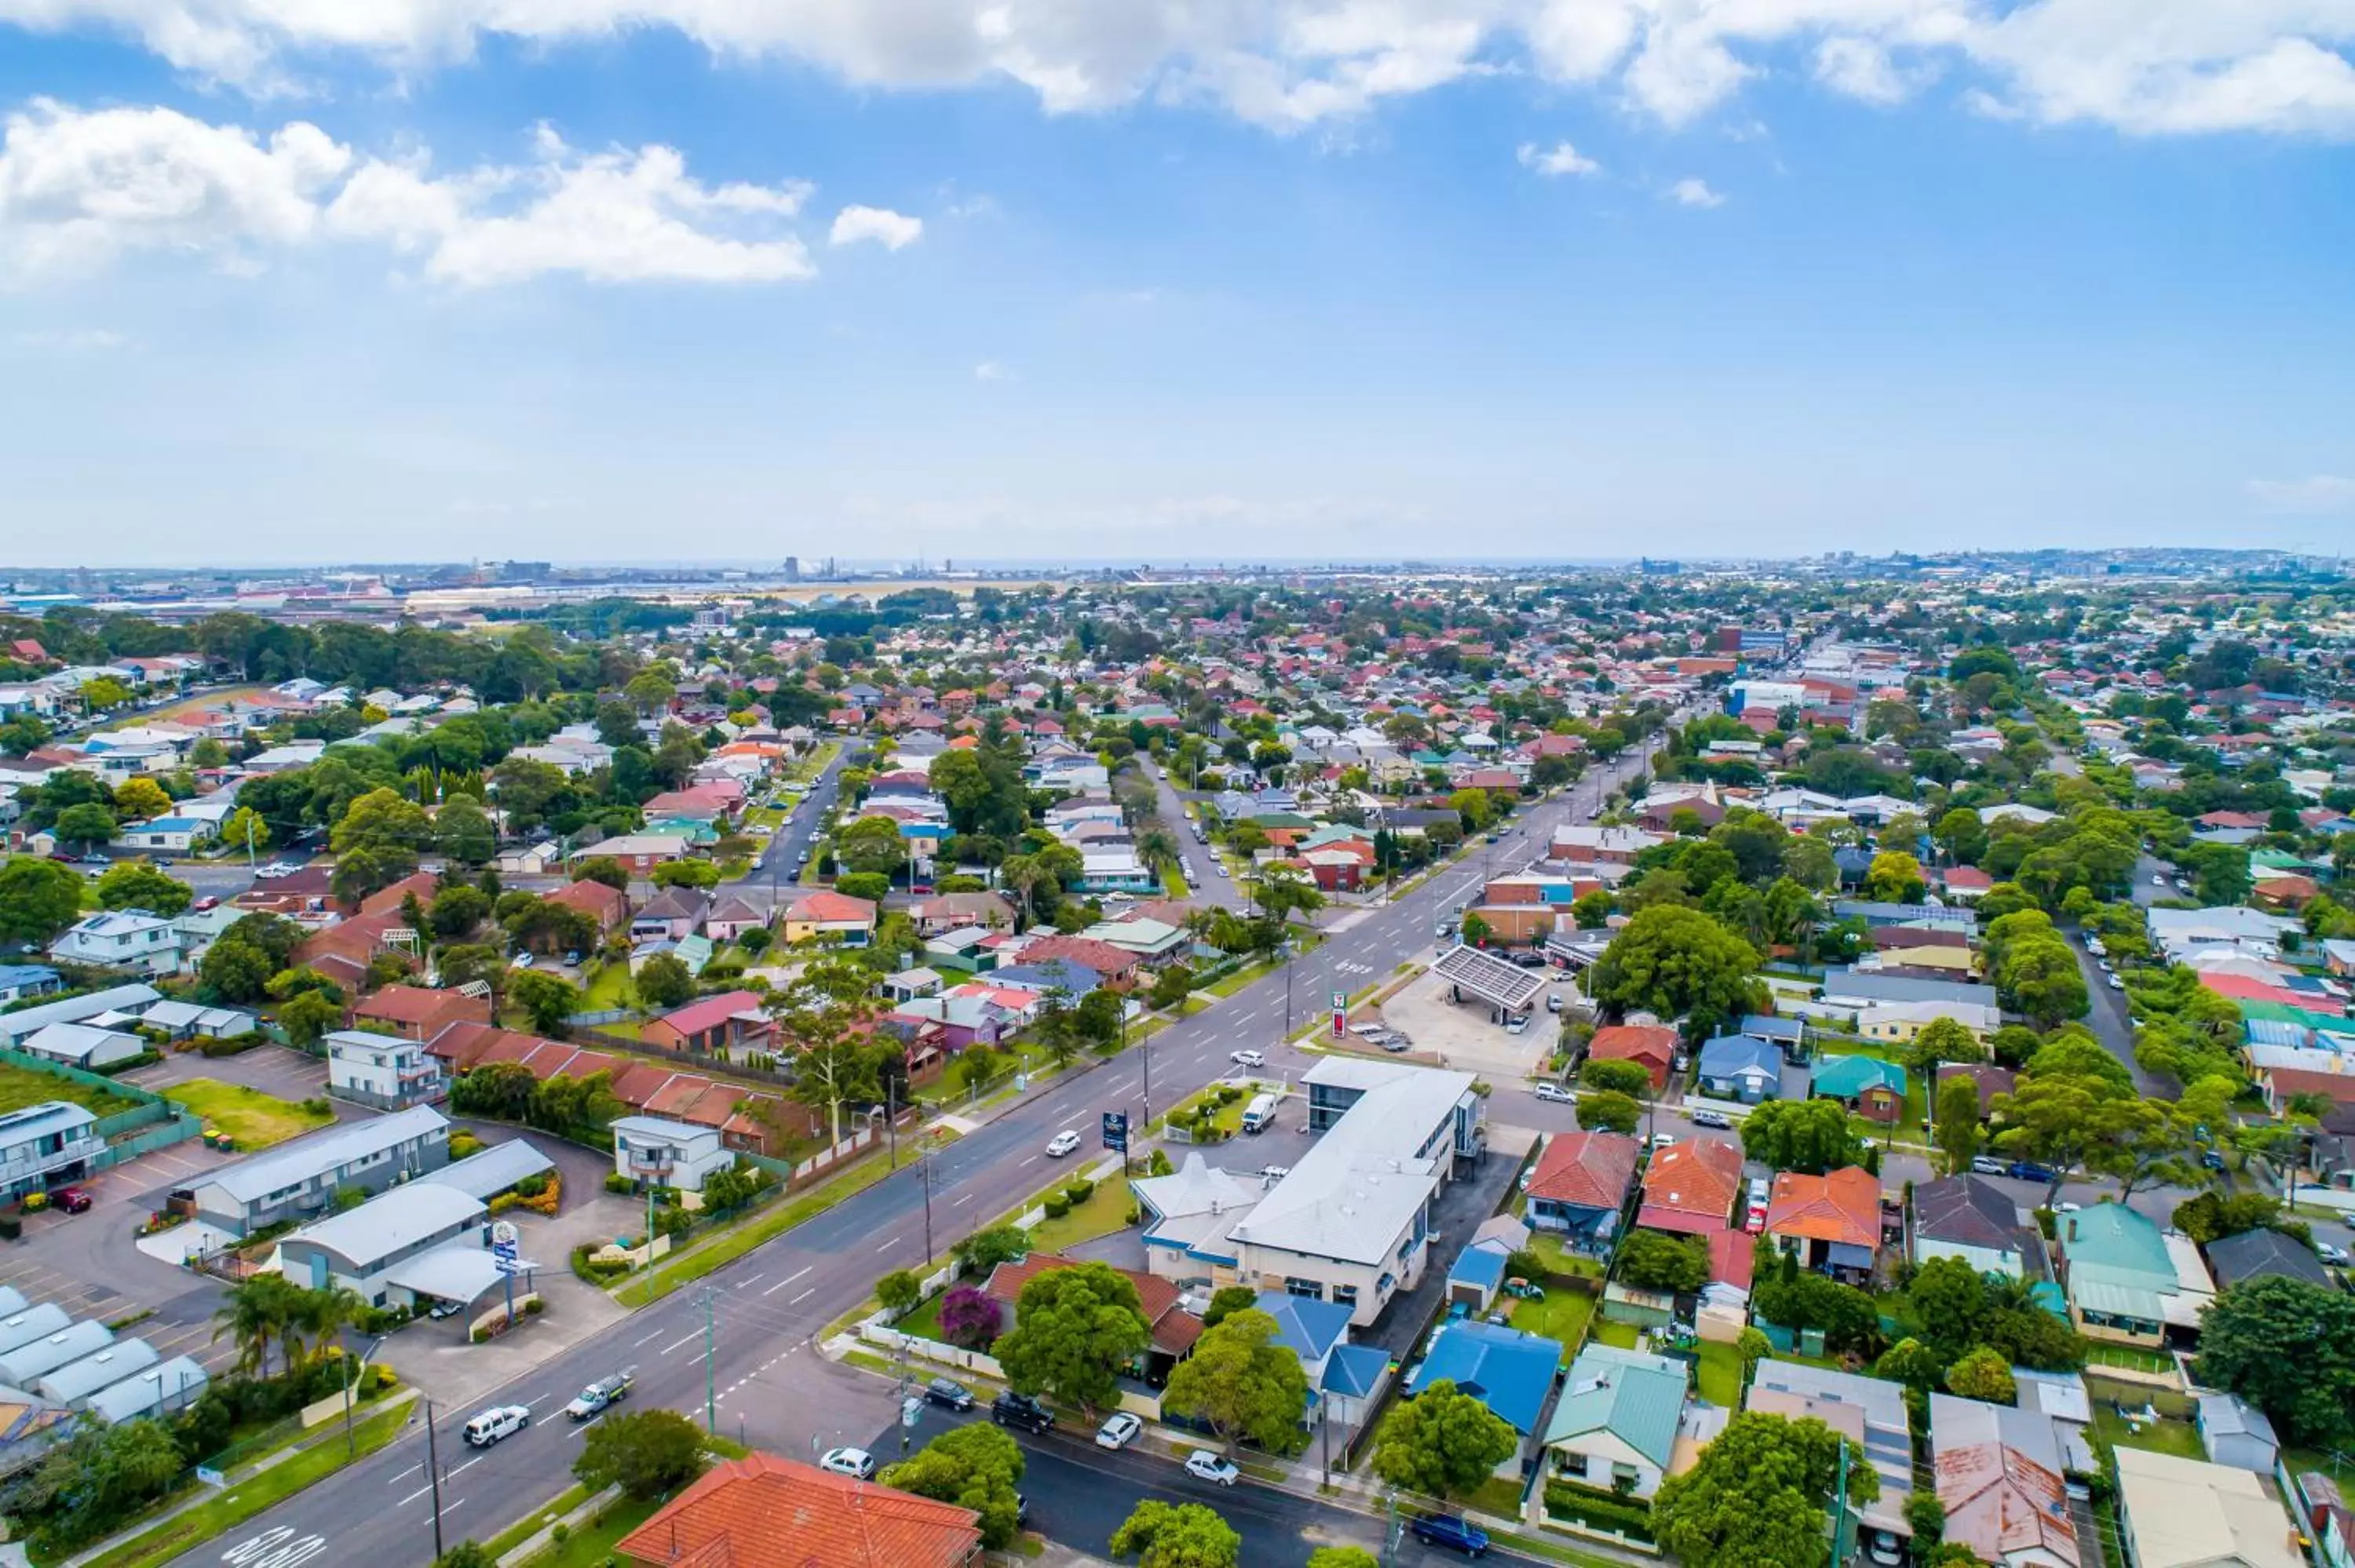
436,279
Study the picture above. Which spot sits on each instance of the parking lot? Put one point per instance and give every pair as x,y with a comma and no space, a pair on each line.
280,1070
1463,1036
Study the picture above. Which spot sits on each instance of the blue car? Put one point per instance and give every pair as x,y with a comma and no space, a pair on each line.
1456,1534
2026,1171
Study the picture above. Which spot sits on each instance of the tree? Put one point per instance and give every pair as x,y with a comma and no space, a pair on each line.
1443,1443
663,981
140,799
1074,1330
604,868
2073,1122
1623,1078
1941,1040
1909,1361
464,833
457,909
972,1466
647,1452
1810,1135
824,1014
970,1317
1950,1303
1608,1112
1674,961
1177,1535
135,884
1654,1260
549,1000
2288,1347
310,1015
383,825
697,874
86,1486
871,844
87,825
38,898
235,970
1473,930
1957,1118
1894,877
1242,1382
2212,1216
984,1250
1229,1300
1356,1556
466,1555
1758,1495
899,1291
1982,1374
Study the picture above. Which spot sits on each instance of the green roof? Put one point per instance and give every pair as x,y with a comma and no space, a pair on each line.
2116,1256
1637,1398
1849,1076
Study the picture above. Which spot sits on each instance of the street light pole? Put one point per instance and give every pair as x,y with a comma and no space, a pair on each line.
433,1476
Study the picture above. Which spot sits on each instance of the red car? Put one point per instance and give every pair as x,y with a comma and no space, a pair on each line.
72,1199
208,902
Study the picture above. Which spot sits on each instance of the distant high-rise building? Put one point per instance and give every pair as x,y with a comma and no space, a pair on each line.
793,568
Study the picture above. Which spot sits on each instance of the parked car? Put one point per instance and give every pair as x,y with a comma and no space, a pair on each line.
2029,1171
854,1462
1247,1058
1397,1043
1987,1165
948,1393
1883,1547
1712,1118
1547,1089
1011,1409
600,1395
500,1421
2334,1256
1203,1465
1454,1534
1062,1143
1517,1024
1662,1139
72,1199
1553,1001
2116,984
442,1310
1120,1431
206,902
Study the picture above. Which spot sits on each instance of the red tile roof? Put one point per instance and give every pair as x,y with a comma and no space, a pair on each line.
763,1512
1589,1168
1650,1046
1691,1187
712,1010
1174,1330
1843,1205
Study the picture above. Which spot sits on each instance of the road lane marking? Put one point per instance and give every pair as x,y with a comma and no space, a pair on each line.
686,1339
414,1496
750,1280
960,1202
888,1246
803,1297
651,1338
466,1467
780,1284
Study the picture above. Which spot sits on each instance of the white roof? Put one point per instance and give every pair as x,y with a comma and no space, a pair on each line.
174,1385
458,1272
75,1009
2185,1513
1350,1196
398,1217
294,1164
663,1127
492,1170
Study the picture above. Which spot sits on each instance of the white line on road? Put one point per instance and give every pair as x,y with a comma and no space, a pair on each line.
750,1280
888,1246
414,1496
466,1467
803,1297
960,1202
780,1284
650,1338
687,1340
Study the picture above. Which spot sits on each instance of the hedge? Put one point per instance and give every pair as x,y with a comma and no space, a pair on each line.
1601,1510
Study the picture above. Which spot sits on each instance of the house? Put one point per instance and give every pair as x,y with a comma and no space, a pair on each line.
2180,1513
188,1021
130,939
1579,1186
45,1143
113,1004
1187,1217
83,1045
668,1153
175,834
1740,1067
638,852
2236,1434
18,981
1651,1046
954,911
1510,1372
363,1249
386,1071
826,913
1899,1021
762,1509
1614,1427
609,906
729,1020
415,1013
1312,1331
1998,1474
2254,1255
1829,1223
302,1177
1970,1218
1689,1187
1174,1329
2126,1282
731,917
1868,1086
673,914
1869,1411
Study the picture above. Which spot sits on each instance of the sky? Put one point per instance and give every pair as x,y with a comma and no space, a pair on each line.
318,281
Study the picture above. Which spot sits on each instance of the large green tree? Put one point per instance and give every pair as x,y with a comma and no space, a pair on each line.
1444,1442
135,884
1242,1382
647,1452
1074,1329
1678,963
974,1467
1759,1494
38,898
1177,1535
2288,1347
1810,1135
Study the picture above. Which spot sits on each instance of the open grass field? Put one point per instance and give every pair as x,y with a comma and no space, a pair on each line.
22,1086
255,1119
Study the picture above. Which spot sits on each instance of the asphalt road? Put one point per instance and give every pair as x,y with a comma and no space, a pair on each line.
2107,1016
1208,886
759,1314
774,869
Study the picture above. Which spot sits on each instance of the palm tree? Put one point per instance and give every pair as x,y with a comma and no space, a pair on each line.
252,1317
326,1313
1158,845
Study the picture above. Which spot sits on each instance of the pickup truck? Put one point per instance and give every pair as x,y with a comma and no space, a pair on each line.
599,1396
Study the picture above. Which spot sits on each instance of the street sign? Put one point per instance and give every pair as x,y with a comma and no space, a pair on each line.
503,1234
1340,1015
1115,1132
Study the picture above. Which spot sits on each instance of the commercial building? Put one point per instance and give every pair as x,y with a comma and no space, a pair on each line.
300,1178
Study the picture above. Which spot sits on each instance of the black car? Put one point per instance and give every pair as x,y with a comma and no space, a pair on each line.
946,1392
1010,1409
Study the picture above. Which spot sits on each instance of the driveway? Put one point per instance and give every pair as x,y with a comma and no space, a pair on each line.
1464,1205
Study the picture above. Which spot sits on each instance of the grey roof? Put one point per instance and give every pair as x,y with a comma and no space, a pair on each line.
168,1014
493,1171
2230,1415
29,1323
46,1116
80,1378
70,1343
1490,977
1967,1210
459,1272
1870,987
2252,1255
397,1218
174,1385
15,1026
1362,1183
291,1164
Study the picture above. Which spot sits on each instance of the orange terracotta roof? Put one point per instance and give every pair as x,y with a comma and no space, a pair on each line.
1843,1205
763,1512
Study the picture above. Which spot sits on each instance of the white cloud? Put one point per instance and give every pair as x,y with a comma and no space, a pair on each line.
990,370
73,340
1692,192
2148,66
78,190
887,228
1561,158
2321,492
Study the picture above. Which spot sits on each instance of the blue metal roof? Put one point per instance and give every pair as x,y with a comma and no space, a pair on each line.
1480,1266
1354,1372
1309,1329
1510,1372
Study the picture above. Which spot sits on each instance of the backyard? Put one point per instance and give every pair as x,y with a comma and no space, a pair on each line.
22,1086
255,1120
2179,1438
1561,1315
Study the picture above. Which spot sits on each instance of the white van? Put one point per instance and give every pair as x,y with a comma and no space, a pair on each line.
1259,1114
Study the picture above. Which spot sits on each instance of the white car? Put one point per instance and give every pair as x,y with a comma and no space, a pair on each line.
2334,1256
1247,1058
2116,984
1062,1143
2158,881
1517,1024
1119,1432
1550,1090
500,1421
854,1462
1203,1465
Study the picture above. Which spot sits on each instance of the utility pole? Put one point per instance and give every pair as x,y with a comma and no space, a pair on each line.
433,1478
711,1397
925,1175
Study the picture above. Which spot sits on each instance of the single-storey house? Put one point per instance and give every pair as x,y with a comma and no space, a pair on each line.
1579,1188
1689,1187
1829,1223
2180,1513
2254,1255
1616,1423
1510,1372
2128,1282
1740,1067
83,1045
730,1020
833,915
1970,1218
1651,1046
1868,1086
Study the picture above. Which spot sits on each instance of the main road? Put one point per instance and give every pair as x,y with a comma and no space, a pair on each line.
741,1344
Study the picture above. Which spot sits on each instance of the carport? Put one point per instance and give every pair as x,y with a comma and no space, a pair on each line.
1505,986
460,1272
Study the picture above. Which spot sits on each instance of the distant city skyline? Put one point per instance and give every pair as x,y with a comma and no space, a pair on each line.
1056,278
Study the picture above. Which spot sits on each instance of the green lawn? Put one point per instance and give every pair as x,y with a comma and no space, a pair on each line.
1499,1496
1561,1259
2179,1438
1562,1315
254,1120
1719,1375
1173,881
22,1086
192,1527
924,1322
1105,1212
592,1546
609,987
1623,1335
